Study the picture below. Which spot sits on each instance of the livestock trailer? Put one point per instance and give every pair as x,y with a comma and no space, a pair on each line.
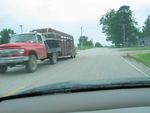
61,39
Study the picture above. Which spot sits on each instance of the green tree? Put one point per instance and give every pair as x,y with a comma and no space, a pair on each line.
108,23
0,40
83,42
146,28
128,25
97,44
5,35
120,26
90,43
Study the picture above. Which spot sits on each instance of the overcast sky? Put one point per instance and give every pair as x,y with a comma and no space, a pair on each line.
66,15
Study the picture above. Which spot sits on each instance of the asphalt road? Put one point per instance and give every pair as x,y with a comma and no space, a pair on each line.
93,64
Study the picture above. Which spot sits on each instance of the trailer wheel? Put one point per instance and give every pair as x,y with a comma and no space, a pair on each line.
3,68
31,65
53,58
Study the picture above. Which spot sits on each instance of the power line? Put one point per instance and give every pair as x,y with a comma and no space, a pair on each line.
81,36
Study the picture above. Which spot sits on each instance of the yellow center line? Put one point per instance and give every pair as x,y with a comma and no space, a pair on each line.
14,91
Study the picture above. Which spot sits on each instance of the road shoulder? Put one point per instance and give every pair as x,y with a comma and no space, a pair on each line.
138,65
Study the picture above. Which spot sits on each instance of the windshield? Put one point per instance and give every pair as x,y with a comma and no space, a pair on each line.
23,38
86,40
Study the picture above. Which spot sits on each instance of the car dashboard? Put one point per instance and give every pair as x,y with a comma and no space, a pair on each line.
102,101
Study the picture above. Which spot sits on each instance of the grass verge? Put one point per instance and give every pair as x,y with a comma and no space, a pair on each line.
141,57
138,48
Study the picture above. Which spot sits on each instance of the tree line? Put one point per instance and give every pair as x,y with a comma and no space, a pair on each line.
120,27
5,35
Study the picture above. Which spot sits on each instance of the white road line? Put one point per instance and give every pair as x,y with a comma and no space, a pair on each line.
135,67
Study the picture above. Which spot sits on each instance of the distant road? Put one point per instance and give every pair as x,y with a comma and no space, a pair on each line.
92,64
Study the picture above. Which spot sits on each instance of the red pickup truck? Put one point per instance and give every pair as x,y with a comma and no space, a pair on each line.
27,48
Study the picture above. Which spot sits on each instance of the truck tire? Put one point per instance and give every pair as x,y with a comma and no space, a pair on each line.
73,55
31,65
53,58
3,68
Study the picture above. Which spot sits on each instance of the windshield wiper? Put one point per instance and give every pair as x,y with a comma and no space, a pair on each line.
82,86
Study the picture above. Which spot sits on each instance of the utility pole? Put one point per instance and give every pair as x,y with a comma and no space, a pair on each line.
124,35
21,28
81,36
81,30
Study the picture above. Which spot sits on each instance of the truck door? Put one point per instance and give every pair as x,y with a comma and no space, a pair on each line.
42,53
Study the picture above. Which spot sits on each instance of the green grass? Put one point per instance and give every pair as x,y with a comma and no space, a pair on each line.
138,48
141,57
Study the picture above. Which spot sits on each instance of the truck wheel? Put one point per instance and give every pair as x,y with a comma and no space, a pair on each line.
3,68
73,55
31,65
53,58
